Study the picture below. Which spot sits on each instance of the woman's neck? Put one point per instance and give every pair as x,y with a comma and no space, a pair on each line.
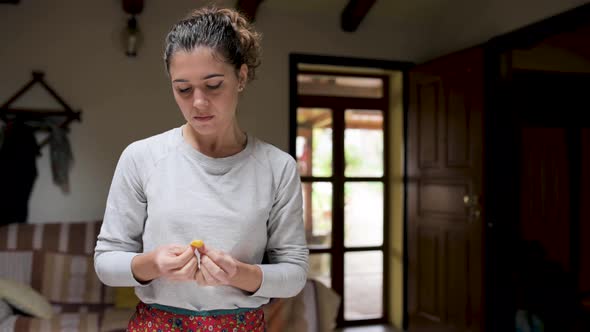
227,143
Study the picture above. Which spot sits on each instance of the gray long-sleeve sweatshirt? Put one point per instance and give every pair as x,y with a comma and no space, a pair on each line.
166,192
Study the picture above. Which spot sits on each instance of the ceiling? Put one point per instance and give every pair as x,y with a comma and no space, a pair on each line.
441,26
381,9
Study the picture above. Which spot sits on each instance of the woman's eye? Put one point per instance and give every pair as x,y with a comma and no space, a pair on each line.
213,87
184,90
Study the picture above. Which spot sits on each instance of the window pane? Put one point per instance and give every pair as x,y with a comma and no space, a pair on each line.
363,285
363,143
319,268
314,142
363,214
317,213
339,86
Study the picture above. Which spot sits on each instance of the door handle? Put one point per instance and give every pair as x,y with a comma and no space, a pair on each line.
471,200
472,203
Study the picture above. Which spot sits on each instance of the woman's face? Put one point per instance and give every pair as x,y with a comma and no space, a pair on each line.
206,89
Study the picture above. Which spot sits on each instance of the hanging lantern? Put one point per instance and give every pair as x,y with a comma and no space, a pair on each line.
133,7
131,35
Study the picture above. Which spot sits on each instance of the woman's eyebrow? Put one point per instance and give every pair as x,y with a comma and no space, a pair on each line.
182,80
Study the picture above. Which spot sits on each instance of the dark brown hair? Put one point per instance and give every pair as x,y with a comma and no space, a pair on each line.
224,30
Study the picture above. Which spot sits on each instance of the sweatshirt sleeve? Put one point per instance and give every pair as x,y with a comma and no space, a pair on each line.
287,251
120,237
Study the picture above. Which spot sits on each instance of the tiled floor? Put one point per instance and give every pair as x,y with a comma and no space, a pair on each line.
372,328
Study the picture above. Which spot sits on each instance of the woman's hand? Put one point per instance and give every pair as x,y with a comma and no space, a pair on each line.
219,268
175,262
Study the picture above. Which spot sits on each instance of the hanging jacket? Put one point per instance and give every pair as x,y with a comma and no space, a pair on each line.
61,156
18,172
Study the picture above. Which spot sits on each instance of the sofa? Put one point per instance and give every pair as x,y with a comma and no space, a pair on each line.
48,283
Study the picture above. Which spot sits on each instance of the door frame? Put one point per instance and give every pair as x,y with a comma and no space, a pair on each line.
502,209
296,58
403,67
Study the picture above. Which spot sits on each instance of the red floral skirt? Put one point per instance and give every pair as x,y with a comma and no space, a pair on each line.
162,319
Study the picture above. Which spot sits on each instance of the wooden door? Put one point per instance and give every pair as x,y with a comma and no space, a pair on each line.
584,279
552,123
445,212
545,192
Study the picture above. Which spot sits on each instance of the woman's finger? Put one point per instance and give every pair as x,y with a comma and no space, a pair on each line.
225,262
185,272
176,261
209,279
176,249
185,256
200,278
188,271
214,270
203,249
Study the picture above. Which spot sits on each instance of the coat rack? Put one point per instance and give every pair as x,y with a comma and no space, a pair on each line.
68,114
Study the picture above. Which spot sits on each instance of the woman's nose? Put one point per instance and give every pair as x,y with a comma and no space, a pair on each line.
199,99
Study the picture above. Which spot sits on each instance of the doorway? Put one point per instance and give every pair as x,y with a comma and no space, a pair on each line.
549,264
537,127
347,135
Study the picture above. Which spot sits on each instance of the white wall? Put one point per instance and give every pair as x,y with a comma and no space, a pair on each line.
122,99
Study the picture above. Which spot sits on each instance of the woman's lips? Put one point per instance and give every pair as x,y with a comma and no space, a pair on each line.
203,118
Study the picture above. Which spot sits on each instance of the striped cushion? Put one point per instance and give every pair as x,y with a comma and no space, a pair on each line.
56,259
72,238
82,322
64,279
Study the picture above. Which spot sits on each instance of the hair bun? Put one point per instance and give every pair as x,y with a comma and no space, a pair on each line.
209,27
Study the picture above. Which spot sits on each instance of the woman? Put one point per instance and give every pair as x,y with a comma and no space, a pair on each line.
206,180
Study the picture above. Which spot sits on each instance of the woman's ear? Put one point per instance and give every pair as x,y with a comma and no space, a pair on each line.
243,77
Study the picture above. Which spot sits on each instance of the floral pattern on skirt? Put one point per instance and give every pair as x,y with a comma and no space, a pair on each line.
151,319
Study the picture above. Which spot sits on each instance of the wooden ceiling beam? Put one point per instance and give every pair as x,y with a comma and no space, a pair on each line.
354,12
249,8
